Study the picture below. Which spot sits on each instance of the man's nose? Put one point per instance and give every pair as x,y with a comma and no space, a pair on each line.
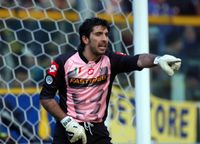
105,37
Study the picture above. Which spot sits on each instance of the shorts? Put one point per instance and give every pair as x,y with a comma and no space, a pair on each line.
98,134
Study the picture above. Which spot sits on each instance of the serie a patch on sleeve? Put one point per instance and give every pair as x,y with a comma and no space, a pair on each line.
49,79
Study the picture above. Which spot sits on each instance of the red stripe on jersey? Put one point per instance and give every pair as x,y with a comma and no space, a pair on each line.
120,53
53,69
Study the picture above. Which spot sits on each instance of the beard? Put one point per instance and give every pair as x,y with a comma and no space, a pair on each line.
98,51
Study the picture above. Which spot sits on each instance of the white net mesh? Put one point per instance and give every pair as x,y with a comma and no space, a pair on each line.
32,34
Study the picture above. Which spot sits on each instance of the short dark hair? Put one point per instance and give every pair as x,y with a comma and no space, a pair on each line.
87,26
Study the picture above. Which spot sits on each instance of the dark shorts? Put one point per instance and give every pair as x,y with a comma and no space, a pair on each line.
100,135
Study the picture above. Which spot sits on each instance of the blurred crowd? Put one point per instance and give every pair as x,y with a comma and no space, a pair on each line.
181,41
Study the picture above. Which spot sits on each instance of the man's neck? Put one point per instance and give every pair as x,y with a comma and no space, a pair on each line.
89,55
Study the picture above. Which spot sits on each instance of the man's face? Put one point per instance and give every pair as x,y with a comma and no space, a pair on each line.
98,40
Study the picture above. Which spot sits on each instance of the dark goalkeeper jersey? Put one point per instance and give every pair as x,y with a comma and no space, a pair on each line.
85,86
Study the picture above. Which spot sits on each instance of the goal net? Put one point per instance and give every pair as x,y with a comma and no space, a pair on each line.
32,34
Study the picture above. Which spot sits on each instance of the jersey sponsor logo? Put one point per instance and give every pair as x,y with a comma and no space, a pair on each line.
49,79
53,69
79,82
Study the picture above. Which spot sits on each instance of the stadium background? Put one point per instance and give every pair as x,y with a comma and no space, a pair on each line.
32,33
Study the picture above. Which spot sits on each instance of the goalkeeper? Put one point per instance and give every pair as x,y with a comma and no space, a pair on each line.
84,78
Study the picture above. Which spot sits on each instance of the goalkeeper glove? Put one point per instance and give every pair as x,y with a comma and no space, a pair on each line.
74,130
168,63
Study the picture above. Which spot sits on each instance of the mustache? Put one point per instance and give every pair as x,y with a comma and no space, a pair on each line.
103,44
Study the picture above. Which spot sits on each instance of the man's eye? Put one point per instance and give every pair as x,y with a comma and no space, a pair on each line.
98,33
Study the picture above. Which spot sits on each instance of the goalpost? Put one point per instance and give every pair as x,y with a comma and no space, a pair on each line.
32,34
142,79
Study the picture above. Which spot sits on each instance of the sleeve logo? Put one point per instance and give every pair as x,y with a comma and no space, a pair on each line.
49,79
53,69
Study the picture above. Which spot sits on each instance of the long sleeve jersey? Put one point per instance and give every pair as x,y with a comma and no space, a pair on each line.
85,86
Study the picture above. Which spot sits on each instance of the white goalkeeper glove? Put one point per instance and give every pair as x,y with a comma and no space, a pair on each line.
74,130
168,63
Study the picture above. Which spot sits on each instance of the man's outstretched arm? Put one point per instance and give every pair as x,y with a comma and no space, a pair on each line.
146,60
168,63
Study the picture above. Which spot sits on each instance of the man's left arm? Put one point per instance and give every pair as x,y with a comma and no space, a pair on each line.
168,63
146,60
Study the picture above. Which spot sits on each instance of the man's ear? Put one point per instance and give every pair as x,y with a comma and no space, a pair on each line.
85,40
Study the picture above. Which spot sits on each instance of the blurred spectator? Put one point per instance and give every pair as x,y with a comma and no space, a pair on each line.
174,43
193,83
126,6
112,6
191,48
197,6
160,7
182,7
116,6
25,3
62,4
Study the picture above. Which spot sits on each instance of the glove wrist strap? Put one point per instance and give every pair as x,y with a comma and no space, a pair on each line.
66,120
